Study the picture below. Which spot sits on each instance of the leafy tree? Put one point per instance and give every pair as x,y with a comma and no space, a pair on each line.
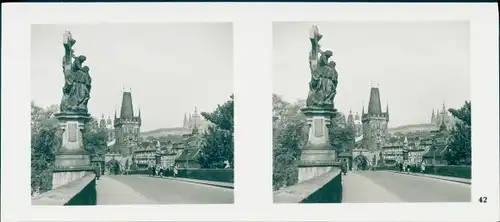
45,140
341,137
459,146
218,142
289,137
95,139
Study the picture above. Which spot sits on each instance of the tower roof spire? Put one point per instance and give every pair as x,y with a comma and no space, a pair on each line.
127,109
433,117
185,123
350,118
374,106
442,127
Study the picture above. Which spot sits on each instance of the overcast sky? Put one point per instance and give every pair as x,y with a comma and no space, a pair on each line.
170,68
417,65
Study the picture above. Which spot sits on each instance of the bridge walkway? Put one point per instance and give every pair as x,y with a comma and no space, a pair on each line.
385,187
140,189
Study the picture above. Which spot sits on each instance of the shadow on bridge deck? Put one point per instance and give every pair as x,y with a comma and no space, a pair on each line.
385,187
137,189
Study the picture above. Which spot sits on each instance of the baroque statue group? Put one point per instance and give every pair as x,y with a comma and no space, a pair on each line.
324,76
77,84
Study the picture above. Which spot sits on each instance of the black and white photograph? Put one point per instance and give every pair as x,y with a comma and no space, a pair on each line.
363,110
125,114
371,112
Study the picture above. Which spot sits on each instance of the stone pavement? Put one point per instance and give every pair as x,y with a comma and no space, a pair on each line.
452,179
205,182
386,186
113,192
165,191
360,189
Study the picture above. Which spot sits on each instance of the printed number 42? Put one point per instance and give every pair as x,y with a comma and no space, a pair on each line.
483,199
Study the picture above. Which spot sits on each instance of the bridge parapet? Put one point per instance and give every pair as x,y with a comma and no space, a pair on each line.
219,175
79,192
326,188
216,175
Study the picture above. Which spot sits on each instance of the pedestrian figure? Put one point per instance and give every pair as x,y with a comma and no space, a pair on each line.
152,169
422,167
343,167
176,170
97,173
149,169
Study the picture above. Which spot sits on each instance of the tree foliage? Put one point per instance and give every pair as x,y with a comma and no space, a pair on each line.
218,142
341,136
95,139
459,144
45,140
289,137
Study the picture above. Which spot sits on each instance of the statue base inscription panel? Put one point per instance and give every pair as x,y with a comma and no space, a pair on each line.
72,161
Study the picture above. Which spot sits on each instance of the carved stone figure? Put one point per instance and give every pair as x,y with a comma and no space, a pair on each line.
76,89
324,76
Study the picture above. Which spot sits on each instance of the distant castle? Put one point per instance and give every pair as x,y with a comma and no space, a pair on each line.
192,123
442,116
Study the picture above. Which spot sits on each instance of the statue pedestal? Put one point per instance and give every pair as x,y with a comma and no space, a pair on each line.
318,156
72,162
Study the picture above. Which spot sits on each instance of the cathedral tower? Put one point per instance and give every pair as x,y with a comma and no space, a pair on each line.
375,129
196,118
185,123
127,126
358,125
102,122
350,121
433,117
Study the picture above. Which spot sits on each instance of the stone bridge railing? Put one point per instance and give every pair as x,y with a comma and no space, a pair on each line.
219,175
79,192
326,188
216,175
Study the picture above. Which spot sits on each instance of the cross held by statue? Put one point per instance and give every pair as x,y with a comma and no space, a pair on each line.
314,37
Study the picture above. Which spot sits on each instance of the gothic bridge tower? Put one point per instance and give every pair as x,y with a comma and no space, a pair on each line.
375,129
127,127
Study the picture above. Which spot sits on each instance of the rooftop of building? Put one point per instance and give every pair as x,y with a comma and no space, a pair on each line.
189,155
417,125
437,150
